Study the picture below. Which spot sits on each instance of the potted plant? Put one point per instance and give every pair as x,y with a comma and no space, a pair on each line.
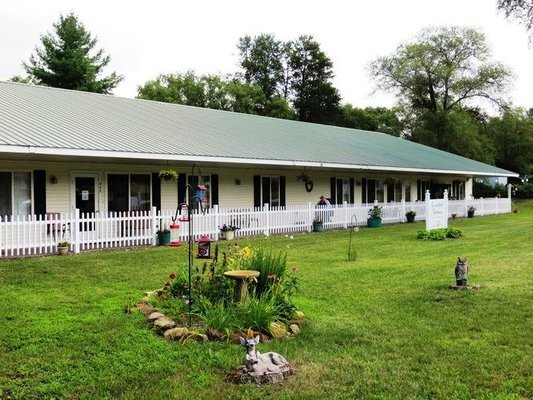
374,217
410,215
163,236
318,224
168,175
62,247
470,212
227,232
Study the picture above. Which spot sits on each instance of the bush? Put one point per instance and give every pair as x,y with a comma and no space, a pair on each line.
439,234
523,191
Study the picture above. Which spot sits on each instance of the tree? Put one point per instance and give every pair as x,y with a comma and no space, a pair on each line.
212,91
521,10
66,61
512,135
377,119
261,58
446,69
313,96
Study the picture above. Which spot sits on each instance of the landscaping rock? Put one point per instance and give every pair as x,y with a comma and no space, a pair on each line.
146,309
155,315
294,329
215,334
201,337
164,323
176,333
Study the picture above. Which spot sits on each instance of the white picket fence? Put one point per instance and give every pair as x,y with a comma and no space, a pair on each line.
37,235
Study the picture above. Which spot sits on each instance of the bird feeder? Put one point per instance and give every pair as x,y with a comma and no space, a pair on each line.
204,247
174,235
200,193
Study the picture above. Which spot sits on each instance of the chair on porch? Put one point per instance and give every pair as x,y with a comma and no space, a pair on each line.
54,225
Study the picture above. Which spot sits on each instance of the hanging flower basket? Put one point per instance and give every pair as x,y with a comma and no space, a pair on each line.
168,175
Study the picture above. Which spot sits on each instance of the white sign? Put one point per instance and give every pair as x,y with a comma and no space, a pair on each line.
437,212
85,195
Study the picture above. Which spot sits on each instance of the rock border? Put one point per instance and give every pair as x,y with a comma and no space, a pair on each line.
169,329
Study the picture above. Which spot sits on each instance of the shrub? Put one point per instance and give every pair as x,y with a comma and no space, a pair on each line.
422,234
453,233
439,234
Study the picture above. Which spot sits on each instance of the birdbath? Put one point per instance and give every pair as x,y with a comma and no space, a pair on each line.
241,278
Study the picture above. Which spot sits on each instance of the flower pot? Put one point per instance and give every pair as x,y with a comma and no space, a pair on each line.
163,238
373,222
470,214
317,227
410,218
227,235
62,250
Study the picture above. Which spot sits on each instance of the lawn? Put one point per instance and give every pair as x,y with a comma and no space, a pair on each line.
385,326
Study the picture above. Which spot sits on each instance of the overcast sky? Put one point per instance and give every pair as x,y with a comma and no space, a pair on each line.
145,38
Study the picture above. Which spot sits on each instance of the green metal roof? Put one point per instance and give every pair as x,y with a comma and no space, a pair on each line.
45,120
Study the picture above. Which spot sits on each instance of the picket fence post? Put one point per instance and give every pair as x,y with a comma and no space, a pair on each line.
153,230
266,209
216,214
76,230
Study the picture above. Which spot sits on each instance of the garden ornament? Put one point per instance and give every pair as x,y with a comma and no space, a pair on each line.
461,271
256,364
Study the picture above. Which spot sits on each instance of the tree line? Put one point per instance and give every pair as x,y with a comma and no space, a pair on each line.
441,80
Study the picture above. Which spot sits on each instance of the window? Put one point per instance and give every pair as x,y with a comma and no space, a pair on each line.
127,192
375,190
407,191
15,193
421,189
206,181
270,190
342,191
457,191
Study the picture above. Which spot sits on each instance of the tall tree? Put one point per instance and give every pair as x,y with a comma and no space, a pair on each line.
313,95
66,59
261,58
512,135
445,69
521,10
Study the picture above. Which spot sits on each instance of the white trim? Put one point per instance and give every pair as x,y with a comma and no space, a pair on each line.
218,159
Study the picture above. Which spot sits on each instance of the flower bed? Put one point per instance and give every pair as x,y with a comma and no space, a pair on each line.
267,309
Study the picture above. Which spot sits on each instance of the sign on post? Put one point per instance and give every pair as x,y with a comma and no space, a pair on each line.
436,212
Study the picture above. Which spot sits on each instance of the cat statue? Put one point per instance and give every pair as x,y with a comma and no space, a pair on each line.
461,271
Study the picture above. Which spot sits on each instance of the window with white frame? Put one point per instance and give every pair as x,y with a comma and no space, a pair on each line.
270,190
15,193
128,192
342,190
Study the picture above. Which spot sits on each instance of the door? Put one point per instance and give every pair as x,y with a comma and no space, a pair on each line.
85,196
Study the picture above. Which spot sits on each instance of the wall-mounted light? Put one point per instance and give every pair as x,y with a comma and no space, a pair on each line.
237,181
53,180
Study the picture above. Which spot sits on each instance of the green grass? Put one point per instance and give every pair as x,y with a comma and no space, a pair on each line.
384,326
